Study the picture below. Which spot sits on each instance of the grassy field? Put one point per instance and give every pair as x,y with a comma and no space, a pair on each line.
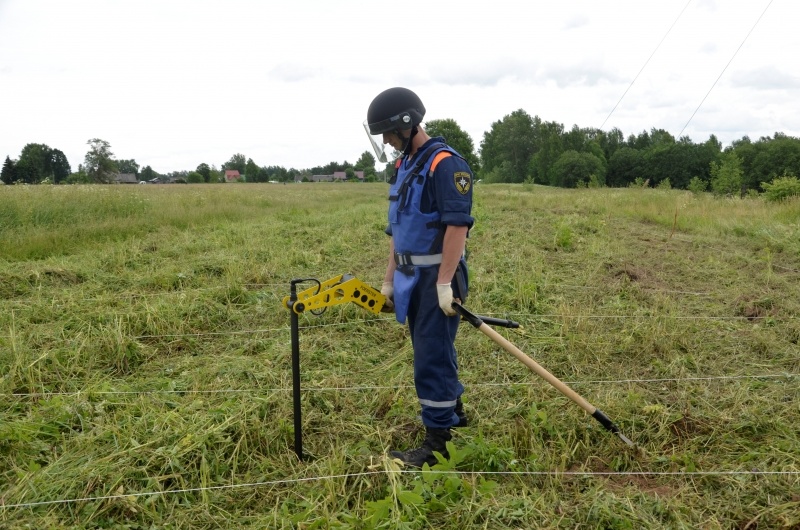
145,362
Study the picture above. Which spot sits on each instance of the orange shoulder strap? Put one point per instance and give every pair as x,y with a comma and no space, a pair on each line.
438,158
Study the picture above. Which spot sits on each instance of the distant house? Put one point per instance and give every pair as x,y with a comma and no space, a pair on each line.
232,175
337,176
320,178
125,178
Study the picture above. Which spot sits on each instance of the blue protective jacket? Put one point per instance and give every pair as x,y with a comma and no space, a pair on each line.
415,232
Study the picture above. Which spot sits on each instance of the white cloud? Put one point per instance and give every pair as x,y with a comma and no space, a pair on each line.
576,21
765,78
173,84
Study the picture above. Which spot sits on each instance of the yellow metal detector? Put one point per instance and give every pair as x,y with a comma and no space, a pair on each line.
339,290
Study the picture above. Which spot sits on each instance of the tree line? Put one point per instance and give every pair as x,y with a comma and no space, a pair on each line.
518,148
521,148
40,164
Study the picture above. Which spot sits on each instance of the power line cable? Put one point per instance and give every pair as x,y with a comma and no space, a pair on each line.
531,316
723,70
131,496
645,63
254,391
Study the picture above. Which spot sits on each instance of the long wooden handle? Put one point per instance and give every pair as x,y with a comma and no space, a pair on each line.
537,368
596,413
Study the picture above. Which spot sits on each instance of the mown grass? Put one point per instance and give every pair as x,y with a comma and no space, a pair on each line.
145,362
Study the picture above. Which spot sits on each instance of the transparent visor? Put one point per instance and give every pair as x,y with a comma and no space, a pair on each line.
383,152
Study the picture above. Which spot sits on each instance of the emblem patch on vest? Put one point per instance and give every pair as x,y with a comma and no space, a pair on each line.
463,182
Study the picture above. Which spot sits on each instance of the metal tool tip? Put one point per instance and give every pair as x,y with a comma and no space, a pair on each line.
625,439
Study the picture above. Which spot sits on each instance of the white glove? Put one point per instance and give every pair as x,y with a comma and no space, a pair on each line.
387,290
445,292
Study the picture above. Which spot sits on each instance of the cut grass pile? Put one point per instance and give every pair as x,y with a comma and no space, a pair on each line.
146,383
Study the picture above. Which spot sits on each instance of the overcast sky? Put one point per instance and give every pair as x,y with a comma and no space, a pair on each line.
176,83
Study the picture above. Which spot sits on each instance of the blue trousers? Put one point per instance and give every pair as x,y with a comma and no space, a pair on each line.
435,362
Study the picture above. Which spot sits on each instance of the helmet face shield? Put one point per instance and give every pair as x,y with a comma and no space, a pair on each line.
383,152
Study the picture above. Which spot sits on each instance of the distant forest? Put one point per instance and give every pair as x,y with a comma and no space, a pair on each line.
521,148
518,148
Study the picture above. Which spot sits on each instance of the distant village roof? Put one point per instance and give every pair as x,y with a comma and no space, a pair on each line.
231,175
126,178
336,176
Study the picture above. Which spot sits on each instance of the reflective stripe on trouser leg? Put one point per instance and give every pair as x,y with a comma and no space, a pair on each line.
435,360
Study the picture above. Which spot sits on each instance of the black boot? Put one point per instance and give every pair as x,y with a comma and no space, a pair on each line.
435,440
463,421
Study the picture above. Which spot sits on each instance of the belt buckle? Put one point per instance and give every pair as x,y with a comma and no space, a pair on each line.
402,259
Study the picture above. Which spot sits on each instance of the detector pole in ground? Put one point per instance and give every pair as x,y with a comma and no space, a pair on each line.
341,289
295,324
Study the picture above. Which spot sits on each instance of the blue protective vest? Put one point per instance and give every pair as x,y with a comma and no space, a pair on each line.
413,232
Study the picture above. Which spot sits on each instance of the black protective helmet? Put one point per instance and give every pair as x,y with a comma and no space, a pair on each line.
394,109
